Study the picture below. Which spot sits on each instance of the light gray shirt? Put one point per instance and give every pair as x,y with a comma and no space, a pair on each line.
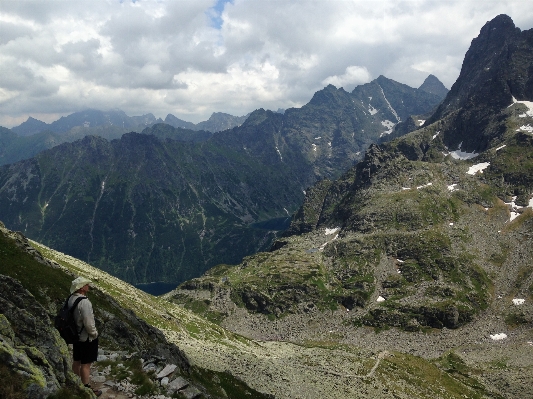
84,316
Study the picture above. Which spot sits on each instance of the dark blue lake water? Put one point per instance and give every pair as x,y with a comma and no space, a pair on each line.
159,288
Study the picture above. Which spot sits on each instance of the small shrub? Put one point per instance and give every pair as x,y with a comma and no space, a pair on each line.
515,319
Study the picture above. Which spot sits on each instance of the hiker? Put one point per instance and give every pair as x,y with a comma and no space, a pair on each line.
85,351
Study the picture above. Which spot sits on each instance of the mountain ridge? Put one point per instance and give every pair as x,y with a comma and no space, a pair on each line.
206,191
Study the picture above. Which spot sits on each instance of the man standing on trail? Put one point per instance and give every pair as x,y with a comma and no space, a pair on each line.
85,351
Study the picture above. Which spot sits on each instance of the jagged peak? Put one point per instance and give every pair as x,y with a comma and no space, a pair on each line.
433,85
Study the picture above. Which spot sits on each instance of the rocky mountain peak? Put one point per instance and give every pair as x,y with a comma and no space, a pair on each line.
328,95
500,55
434,86
496,68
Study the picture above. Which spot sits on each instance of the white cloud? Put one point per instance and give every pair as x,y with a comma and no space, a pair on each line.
194,57
353,76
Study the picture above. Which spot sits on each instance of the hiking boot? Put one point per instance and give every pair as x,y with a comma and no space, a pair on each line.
97,392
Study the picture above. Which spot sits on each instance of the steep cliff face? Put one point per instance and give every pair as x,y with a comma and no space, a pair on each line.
496,69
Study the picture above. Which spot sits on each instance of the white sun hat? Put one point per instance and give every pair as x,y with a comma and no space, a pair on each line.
78,283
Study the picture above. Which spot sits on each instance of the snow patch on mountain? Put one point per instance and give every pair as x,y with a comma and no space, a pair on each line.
527,128
528,104
479,167
389,125
332,231
390,106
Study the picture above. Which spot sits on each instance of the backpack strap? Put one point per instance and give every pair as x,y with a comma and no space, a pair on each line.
74,306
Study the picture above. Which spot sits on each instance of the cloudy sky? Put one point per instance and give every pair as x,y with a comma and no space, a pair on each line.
194,57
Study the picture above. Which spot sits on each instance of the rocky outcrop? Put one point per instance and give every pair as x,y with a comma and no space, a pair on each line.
29,345
31,348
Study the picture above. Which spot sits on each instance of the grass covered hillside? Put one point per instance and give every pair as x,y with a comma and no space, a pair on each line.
215,360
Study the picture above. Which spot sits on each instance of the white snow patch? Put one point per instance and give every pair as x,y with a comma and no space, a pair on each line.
372,110
380,299
514,209
527,128
498,337
332,231
400,261
435,135
421,122
389,125
425,185
500,147
304,192
329,143
518,301
318,138
390,106
458,154
451,187
370,98
528,104
405,188
451,224
314,147
279,153
530,203
479,167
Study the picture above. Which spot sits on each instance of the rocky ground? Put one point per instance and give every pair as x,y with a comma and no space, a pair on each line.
114,375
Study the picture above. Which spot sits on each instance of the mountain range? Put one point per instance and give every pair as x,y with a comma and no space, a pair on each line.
169,203
33,136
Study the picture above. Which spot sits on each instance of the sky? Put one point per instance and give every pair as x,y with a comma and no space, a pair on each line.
190,58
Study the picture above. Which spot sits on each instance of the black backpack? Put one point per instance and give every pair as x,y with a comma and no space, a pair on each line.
66,324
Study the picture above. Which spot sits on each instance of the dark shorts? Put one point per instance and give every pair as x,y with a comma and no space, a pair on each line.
85,352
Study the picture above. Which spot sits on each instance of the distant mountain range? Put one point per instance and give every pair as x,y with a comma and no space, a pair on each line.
31,137
170,203
92,118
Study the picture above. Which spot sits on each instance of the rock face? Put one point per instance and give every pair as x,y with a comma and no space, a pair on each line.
496,69
35,350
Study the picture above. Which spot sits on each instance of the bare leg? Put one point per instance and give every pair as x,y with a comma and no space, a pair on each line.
76,367
85,373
